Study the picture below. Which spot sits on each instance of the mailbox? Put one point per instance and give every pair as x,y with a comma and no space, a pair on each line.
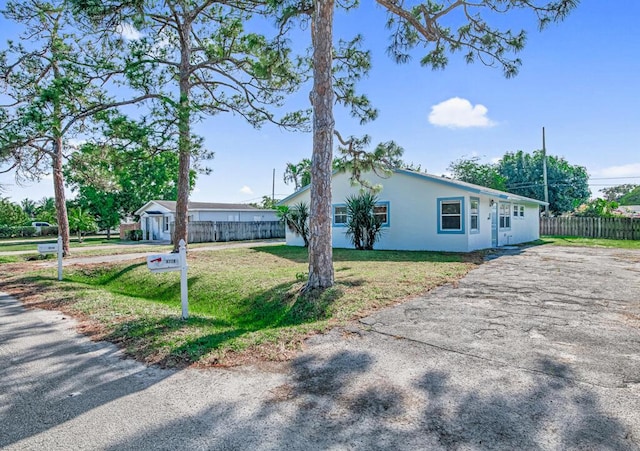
48,248
164,262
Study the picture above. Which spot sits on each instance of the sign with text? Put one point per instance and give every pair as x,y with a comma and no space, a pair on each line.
48,248
53,248
164,262
174,262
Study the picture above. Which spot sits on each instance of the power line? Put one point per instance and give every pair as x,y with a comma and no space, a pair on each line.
615,178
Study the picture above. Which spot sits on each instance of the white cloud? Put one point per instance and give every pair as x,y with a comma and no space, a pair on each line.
495,160
129,32
76,143
625,170
246,190
459,113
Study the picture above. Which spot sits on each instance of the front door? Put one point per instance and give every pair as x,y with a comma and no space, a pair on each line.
494,225
147,229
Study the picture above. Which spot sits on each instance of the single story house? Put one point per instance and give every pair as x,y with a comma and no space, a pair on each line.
426,212
156,216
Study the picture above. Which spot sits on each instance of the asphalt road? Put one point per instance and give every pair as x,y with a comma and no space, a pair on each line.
535,350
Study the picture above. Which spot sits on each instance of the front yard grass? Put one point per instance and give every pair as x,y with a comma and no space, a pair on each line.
589,242
244,304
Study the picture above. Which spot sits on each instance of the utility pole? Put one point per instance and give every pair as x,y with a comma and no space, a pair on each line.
544,175
273,187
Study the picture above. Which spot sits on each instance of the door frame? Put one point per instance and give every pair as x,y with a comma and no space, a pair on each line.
494,224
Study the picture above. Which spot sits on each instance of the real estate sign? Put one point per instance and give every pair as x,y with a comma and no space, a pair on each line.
173,262
53,248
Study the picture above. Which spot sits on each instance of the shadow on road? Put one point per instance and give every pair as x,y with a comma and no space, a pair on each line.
52,380
330,404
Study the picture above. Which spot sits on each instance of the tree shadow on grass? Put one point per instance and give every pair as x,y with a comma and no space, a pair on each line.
161,340
299,254
122,272
170,341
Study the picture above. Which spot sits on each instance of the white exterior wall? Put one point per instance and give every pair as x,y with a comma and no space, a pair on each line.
523,229
155,223
413,216
482,238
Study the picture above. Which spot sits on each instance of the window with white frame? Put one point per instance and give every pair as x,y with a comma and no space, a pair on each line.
165,223
474,214
381,213
340,215
505,217
450,215
516,209
521,211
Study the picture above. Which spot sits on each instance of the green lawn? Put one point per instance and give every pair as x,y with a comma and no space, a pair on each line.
27,244
589,242
244,303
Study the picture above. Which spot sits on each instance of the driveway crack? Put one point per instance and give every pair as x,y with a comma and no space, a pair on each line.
498,362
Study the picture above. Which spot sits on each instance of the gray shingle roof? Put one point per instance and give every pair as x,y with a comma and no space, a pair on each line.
171,205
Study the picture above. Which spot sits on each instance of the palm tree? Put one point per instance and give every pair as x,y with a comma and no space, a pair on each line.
363,227
299,174
46,210
297,220
29,207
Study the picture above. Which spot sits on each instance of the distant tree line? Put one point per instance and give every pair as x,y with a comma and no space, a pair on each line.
522,173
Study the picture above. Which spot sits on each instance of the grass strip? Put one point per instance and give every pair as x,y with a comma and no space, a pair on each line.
244,303
589,242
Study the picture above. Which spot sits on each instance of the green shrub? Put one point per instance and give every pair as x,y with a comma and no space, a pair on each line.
49,231
134,235
17,232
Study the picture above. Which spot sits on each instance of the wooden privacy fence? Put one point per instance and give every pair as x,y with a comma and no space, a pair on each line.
613,228
210,231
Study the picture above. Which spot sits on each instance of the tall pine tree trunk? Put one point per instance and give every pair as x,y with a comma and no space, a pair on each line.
322,98
184,140
58,176
58,192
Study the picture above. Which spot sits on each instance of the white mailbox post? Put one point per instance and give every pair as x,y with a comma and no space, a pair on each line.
174,262
53,248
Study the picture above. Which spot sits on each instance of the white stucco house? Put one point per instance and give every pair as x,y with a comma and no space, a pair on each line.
156,216
426,212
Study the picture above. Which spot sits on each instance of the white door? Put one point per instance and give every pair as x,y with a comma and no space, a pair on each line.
494,225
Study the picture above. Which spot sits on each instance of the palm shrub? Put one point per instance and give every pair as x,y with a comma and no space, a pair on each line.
297,219
363,227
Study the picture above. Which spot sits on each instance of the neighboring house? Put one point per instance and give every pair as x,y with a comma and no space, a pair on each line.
426,212
156,216
630,211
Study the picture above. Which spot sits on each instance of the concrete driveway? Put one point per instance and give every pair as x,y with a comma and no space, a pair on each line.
534,350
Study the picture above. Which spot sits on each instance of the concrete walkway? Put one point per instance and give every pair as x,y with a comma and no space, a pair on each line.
536,350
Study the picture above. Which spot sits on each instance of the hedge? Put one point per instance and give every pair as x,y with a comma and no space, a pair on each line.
18,232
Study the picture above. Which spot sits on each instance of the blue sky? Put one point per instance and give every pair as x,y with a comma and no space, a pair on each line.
579,80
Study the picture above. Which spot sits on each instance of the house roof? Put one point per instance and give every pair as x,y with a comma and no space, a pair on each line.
198,206
470,187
